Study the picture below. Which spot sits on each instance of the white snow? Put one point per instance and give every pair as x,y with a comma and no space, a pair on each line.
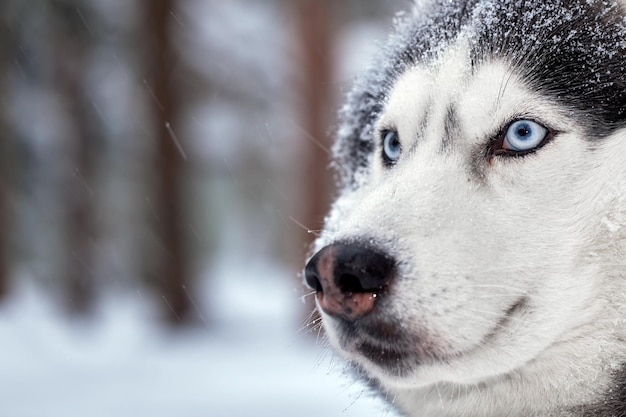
249,360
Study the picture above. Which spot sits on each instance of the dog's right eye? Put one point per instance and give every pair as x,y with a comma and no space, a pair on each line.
391,147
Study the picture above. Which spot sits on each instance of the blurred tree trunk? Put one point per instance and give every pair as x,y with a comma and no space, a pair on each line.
72,42
6,59
316,41
171,158
80,282
4,195
5,152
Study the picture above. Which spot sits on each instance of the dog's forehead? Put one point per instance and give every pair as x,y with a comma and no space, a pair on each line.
432,99
427,85
574,51
426,96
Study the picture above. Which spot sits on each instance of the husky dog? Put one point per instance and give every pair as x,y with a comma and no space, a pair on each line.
473,263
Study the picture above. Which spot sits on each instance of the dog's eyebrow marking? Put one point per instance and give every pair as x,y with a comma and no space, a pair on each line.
422,125
451,128
421,128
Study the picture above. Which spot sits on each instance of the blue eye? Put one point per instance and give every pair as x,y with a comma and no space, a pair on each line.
524,135
391,147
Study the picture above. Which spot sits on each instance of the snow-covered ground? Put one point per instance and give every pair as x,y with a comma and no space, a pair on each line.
249,360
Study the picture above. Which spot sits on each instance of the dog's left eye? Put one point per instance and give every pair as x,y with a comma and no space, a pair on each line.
523,136
391,147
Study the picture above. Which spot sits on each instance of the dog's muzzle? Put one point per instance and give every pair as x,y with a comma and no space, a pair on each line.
349,279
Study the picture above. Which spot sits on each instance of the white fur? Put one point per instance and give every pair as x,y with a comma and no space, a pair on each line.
473,236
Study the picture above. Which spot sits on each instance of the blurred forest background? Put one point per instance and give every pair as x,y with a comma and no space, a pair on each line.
144,139
150,147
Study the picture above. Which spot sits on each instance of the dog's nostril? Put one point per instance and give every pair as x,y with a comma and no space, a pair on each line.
312,273
313,281
350,284
360,270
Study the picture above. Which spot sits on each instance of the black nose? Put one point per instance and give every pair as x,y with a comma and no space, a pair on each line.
349,278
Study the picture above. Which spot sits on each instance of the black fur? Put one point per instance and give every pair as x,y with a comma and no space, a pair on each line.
614,403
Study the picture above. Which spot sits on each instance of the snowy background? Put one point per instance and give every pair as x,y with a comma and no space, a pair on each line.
250,361
104,310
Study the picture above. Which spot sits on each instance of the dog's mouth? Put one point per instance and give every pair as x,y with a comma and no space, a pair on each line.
397,352
382,344
388,358
510,315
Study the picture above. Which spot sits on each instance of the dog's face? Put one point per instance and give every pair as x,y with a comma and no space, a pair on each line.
470,238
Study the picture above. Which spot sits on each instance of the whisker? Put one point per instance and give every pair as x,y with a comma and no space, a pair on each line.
521,294
622,265
321,357
302,297
311,326
503,287
504,268
310,137
320,334
308,324
356,398
302,226
441,402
